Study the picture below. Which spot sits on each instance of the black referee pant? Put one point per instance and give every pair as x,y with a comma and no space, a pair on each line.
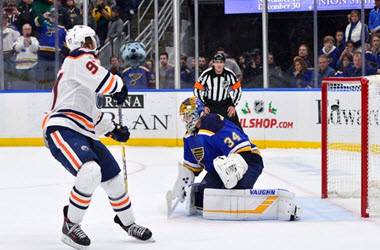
220,107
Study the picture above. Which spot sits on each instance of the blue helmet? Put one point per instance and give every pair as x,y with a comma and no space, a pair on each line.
191,112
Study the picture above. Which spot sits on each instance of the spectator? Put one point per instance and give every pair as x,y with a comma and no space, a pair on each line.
202,64
63,16
373,54
133,5
331,51
230,64
241,62
374,18
123,8
101,13
252,76
78,20
192,64
353,30
323,69
26,48
349,50
115,26
346,59
275,74
10,35
137,77
11,12
46,54
150,66
303,52
166,72
301,77
339,40
187,80
72,10
115,66
354,69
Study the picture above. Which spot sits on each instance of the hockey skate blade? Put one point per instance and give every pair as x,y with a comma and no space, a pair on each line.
65,239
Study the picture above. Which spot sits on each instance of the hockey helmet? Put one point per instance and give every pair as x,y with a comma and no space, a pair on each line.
75,37
191,112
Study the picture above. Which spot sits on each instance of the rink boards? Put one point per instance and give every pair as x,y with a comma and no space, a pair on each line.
280,118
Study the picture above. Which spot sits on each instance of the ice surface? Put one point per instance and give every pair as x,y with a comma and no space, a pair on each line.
34,187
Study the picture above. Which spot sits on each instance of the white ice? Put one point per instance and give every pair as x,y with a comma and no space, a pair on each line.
34,187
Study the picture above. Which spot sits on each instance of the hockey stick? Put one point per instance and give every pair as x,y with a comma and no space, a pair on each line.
123,150
169,202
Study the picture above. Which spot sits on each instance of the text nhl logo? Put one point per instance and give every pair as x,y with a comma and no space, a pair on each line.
259,106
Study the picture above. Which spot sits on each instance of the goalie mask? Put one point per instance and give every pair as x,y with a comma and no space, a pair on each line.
191,112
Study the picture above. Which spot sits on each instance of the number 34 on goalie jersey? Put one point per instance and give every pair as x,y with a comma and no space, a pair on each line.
216,136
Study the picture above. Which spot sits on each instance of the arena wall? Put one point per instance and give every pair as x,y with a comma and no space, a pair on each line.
272,118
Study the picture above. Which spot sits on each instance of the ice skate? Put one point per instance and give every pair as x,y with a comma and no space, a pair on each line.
136,231
72,234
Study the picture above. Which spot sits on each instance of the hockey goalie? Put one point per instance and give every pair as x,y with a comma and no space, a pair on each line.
233,165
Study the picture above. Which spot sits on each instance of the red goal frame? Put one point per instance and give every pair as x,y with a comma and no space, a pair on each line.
364,137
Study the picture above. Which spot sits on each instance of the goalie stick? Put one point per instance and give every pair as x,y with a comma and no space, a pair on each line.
123,150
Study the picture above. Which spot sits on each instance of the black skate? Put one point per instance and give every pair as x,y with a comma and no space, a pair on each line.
136,231
72,234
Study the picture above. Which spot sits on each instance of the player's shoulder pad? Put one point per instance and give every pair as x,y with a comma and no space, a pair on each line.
126,69
144,68
75,54
211,124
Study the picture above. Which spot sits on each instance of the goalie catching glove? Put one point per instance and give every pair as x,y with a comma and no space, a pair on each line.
230,169
120,133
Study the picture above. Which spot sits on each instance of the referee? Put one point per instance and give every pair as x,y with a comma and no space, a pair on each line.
213,88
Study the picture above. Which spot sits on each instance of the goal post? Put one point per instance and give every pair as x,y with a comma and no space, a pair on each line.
351,140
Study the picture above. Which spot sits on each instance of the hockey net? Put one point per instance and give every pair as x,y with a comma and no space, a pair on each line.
351,140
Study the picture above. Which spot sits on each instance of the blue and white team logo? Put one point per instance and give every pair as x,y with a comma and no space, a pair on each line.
84,148
99,100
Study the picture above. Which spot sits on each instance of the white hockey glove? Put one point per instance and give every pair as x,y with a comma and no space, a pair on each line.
230,169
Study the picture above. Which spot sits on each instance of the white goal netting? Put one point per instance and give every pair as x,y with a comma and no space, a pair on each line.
344,148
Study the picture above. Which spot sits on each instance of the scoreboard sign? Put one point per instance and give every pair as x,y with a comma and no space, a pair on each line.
256,6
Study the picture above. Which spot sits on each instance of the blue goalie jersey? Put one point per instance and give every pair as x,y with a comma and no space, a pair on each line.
216,137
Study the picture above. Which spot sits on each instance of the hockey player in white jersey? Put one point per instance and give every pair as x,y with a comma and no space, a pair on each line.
71,130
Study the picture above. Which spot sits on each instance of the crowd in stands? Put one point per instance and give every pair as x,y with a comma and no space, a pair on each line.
28,28
29,48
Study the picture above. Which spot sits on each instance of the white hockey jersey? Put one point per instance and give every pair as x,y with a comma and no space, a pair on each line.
78,93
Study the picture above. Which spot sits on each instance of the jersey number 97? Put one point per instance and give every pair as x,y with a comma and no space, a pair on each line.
92,67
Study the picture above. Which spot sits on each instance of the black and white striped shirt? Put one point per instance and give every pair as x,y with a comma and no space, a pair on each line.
216,87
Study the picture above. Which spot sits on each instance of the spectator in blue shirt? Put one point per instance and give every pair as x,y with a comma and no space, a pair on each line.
354,69
346,59
301,76
331,51
323,69
374,18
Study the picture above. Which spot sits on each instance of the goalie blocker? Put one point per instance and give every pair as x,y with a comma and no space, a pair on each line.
246,204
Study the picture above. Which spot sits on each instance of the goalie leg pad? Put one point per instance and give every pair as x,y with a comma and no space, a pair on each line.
249,204
184,178
190,191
